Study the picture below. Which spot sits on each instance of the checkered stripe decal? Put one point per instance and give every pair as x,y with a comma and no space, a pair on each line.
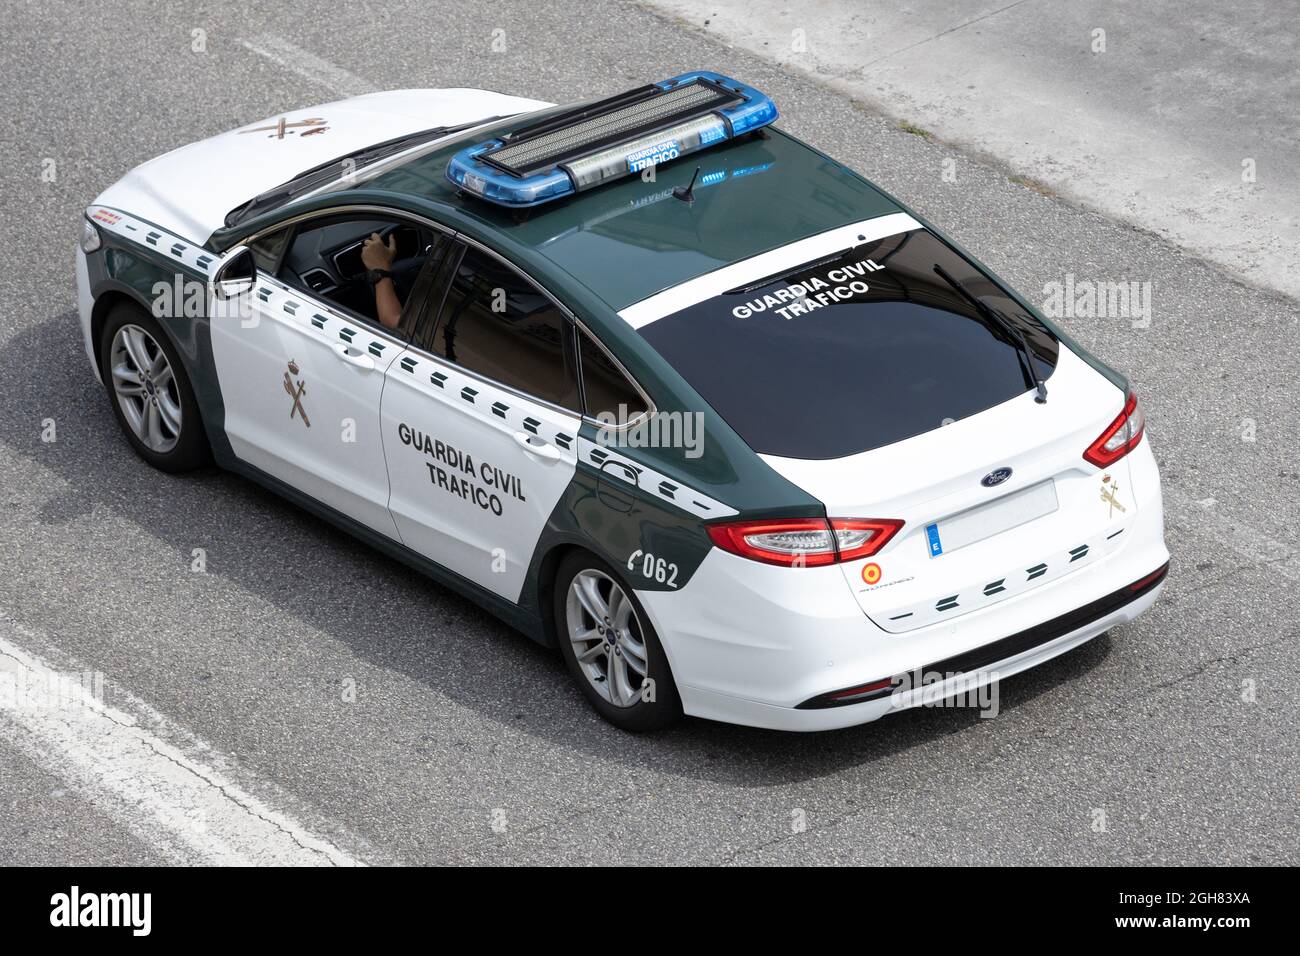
493,405
981,593
652,482
170,246
275,296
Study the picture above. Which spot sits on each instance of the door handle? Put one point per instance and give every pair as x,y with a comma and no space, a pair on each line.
361,360
535,446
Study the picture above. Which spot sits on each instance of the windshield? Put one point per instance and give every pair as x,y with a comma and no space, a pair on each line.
342,169
854,352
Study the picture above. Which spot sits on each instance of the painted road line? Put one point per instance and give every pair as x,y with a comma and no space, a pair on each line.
121,756
308,65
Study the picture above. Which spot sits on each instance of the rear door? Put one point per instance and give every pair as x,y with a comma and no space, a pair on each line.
480,421
301,375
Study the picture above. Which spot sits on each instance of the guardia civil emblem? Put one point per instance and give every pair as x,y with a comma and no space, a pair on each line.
296,391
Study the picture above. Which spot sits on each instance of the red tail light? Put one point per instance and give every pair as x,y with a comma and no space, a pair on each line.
804,542
1120,437
862,537
1145,583
862,690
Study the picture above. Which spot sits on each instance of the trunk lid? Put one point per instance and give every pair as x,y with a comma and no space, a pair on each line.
964,545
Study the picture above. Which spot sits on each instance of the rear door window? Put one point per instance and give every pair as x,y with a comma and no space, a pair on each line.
608,390
853,352
496,323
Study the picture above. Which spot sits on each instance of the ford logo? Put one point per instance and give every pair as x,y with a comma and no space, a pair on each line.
995,477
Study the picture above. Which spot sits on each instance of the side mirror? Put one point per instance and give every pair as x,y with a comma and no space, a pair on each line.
236,274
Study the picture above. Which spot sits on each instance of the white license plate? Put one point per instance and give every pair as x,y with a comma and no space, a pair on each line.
993,518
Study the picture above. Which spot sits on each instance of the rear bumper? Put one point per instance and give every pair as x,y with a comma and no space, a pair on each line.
993,660
737,710
749,643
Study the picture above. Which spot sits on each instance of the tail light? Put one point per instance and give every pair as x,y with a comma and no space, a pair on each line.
849,695
862,537
804,542
1146,583
1120,437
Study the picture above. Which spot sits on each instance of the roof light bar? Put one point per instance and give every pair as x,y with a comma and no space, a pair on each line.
613,138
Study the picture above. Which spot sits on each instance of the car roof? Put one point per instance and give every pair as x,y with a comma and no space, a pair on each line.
630,239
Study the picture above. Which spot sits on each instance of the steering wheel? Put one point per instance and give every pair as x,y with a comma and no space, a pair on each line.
349,268
406,268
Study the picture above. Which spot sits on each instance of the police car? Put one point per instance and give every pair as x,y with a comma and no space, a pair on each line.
649,378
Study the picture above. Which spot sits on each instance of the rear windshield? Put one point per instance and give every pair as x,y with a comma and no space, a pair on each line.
853,352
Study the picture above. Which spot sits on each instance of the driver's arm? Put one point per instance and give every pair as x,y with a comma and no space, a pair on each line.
376,254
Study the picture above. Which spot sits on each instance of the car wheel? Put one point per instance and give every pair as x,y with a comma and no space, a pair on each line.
611,648
150,391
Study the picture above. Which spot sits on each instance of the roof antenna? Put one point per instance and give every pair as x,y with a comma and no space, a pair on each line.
687,193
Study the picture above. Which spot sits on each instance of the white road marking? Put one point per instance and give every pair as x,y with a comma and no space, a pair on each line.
308,65
120,756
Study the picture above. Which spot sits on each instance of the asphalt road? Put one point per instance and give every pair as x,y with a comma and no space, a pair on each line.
467,743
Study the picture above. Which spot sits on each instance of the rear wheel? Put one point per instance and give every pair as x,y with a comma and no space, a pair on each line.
611,648
150,391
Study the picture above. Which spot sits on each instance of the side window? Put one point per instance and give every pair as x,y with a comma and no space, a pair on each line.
324,259
266,251
498,324
607,388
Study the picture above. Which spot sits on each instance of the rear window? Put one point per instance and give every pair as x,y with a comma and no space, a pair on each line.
853,352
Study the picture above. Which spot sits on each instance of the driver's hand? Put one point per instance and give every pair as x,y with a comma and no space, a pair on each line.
375,254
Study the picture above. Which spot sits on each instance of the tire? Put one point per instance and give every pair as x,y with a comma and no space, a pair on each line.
622,696
156,411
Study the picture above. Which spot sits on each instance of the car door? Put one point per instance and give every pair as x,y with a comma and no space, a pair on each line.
301,375
480,421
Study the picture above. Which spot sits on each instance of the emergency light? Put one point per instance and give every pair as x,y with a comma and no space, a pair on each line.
610,139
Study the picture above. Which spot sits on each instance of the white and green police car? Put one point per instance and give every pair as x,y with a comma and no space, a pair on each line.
669,389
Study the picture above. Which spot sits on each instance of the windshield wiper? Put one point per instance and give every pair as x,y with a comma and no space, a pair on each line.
331,169
1006,325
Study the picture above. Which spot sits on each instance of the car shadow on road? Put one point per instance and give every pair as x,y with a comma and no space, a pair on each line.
427,633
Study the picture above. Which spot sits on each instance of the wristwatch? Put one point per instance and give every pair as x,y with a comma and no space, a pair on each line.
375,275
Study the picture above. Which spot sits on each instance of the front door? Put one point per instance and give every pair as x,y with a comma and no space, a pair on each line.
301,377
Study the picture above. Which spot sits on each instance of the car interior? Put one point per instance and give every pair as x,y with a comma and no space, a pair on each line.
498,324
325,259
493,321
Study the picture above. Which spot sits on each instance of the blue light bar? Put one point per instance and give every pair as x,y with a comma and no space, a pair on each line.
611,139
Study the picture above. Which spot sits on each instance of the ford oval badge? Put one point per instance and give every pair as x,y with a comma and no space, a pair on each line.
995,477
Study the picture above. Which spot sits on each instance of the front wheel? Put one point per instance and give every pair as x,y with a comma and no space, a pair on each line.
611,648
150,391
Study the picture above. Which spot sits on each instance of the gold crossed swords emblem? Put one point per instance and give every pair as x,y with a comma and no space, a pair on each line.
296,393
282,126
1108,489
